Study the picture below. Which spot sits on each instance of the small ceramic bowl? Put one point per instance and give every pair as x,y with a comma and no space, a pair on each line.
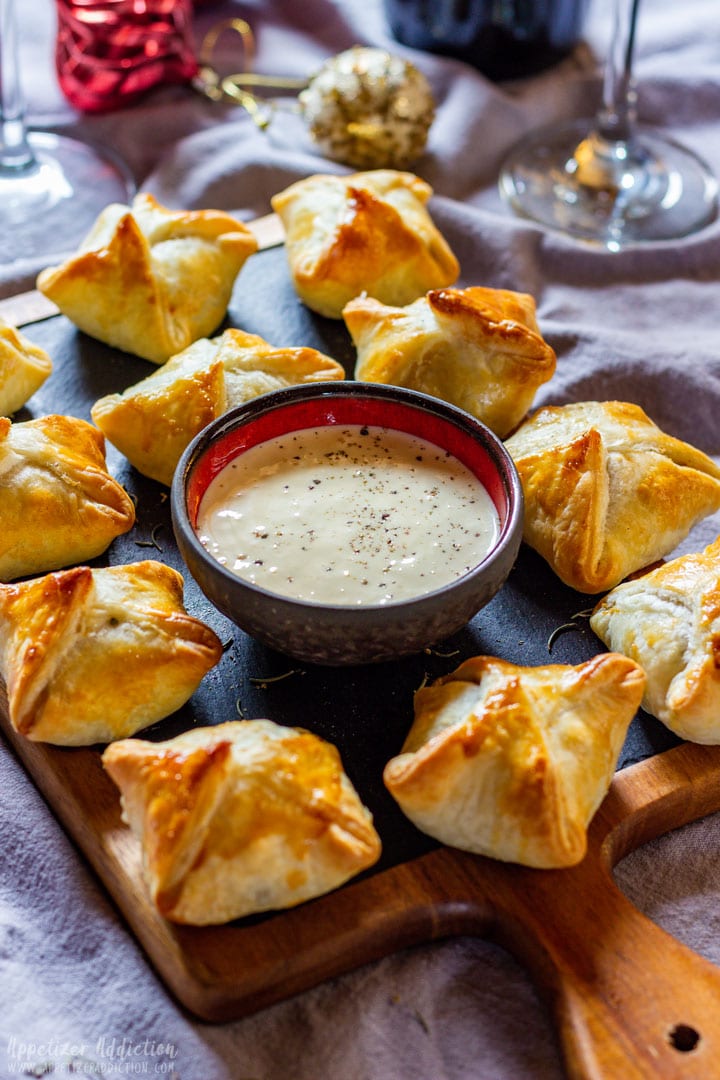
344,634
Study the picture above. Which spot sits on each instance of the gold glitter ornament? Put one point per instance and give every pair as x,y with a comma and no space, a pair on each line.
368,109
364,107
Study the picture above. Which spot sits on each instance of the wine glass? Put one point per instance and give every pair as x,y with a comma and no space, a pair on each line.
52,187
611,181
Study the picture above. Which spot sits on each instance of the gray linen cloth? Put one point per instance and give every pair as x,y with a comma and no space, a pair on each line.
640,326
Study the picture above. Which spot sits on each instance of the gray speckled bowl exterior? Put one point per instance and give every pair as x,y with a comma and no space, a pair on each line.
336,634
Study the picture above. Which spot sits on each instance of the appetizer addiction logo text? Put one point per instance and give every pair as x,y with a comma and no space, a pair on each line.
108,1056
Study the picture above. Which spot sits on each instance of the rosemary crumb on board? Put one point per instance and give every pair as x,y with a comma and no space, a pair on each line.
263,681
153,541
436,652
564,629
584,614
568,626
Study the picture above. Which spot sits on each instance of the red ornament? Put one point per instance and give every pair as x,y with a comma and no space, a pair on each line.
109,52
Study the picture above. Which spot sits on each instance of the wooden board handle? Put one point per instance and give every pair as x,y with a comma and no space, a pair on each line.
629,1000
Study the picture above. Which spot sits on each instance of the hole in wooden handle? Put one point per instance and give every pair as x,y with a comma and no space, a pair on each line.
684,1038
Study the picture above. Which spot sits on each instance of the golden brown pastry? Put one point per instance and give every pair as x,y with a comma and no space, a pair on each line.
58,502
512,762
90,655
24,367
606,491
477,348
153,421
368,232
151,280
668,621
242,817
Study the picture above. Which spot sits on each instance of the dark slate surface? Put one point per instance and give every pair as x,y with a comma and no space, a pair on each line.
365,711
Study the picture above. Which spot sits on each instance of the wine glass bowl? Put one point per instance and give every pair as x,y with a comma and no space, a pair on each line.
611,193
35,197
52,187
611,181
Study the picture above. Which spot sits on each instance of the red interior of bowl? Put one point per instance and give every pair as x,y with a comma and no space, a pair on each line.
347,410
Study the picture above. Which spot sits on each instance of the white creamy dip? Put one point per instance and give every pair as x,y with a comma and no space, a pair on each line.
347,514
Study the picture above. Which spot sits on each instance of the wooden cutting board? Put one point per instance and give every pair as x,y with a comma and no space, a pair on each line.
629,1001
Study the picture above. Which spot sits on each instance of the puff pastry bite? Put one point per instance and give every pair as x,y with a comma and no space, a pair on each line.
368,232
24,367
242,817
668,621
58,502
512,762
90,655
480,349
606,491
151,280
153,421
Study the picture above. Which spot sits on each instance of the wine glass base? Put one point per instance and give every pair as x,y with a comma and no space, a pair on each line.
48,207
610,194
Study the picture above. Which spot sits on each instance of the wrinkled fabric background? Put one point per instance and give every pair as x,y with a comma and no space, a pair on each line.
640,326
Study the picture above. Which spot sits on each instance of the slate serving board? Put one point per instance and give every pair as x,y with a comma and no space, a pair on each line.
626,996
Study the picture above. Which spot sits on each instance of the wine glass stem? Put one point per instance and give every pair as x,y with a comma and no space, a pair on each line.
616,117
15,152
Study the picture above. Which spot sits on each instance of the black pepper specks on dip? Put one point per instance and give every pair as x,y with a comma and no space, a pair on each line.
348,514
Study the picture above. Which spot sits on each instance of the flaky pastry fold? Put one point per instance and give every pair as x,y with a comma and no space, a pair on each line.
606,491
151,280
242,817
512,762
668,621
367,232
153,421
24,367
58,502
91,655
478,348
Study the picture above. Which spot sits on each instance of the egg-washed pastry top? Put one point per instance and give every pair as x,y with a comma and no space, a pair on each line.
241,817
668,621
58,503
24,367
91,655
512,762
478,348
150,280
369,232
607,492
153,421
